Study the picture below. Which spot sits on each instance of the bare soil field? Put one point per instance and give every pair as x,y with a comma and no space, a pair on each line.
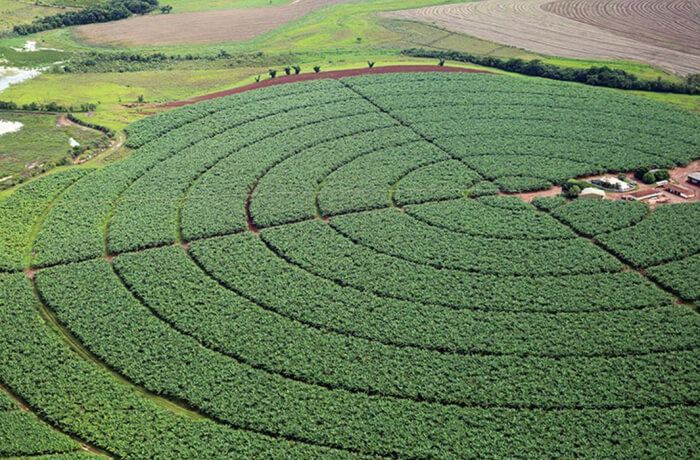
608,30
335,74
199,27
673,24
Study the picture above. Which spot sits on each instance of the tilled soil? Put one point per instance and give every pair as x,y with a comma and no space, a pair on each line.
531,24
199,27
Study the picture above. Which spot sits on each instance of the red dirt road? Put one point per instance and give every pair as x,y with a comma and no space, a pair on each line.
334,74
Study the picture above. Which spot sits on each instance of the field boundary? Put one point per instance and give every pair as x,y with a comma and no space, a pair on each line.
333,74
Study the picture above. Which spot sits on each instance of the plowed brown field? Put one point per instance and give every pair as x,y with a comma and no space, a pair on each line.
673,24
664,33
199,27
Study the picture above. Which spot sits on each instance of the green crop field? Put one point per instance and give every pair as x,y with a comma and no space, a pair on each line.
333,269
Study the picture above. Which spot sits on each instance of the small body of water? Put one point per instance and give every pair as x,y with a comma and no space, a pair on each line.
9,127
12,75
30,46
73,142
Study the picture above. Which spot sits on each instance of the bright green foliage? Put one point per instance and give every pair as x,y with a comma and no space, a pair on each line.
593,217
517,184
437,181
245,264
85,400
483,188
415,241
22,210
477,217
669,233
286,193
682,276
547,203
319,249
328,270
22,433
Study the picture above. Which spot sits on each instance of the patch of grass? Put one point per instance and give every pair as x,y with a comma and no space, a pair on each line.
15,12
39,141
30,59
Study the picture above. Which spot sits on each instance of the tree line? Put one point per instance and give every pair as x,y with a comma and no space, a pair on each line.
596,76
111,11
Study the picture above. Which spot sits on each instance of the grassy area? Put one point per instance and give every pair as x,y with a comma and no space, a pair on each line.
15,12
39,141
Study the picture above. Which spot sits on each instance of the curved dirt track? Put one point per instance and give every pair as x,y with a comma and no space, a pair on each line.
673,24
199,27
528,24
334,74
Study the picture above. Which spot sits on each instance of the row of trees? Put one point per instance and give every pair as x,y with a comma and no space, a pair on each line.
596,76
111,11
47,107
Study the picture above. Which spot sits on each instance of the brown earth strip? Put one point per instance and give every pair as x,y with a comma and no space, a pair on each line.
334,74
527,24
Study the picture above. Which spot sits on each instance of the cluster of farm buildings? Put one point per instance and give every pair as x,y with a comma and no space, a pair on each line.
650,194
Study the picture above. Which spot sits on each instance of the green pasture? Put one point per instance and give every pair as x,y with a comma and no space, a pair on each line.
37,142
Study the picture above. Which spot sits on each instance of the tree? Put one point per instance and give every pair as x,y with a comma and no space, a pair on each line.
649,177
572,192
317,68
297,69
272,72
662,174
165,9
140,98
257,78
370,64
441,63
287,70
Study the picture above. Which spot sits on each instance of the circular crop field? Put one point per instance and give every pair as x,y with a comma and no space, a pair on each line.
334,269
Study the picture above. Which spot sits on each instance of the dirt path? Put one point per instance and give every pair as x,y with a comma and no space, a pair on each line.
238,24
334,74
530,25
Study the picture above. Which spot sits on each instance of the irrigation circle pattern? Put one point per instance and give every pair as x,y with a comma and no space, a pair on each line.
328,265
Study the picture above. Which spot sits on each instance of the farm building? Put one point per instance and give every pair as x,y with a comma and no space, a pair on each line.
694,178
616,183
682,192
643,195
591,192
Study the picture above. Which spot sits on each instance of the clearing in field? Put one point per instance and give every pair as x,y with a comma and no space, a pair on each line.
324,269
199,27
658,32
